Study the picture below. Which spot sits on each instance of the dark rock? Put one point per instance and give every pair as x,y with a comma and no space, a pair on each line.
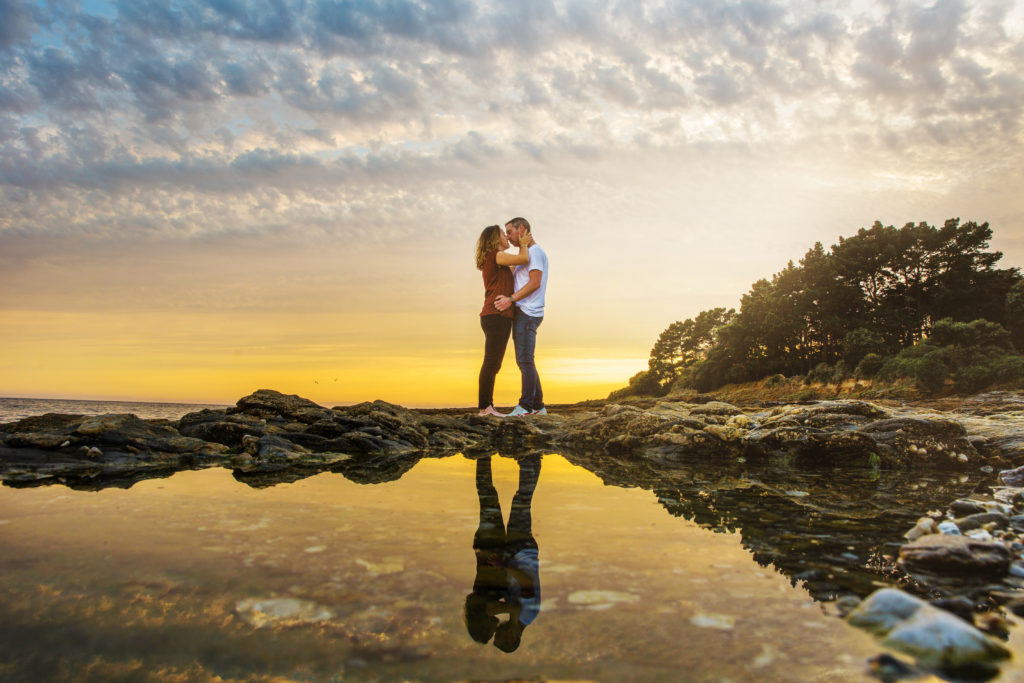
717,408
1013,477
976,521
956,556
219,427
958,605
269,404
966,506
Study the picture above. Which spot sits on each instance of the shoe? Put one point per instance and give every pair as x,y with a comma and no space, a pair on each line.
519,411
489,410
542,411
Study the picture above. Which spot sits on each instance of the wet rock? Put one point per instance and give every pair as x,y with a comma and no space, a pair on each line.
934,637
956,556
982,519
965,506
266,612
272,447
924,526
270,404
717,408
1014,477
219,427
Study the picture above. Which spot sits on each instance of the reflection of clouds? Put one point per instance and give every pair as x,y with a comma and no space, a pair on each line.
273,102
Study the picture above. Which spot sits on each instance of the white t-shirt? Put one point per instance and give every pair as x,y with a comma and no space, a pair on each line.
532,305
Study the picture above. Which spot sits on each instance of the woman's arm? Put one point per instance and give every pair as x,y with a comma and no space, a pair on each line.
520,259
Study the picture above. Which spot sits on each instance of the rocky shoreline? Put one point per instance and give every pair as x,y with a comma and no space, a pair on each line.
950,473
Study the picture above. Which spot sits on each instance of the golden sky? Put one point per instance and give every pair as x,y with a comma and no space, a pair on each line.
199,200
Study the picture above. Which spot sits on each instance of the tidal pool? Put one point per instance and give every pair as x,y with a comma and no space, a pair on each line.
201,576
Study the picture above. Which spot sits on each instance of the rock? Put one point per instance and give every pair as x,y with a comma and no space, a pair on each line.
948,527
976,521
956,556
934,637
964,507
263,612
1013,477
924,526
717,408
270,404
219,427
271,447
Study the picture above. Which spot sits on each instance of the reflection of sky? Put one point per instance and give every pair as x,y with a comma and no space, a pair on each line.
363,141
622,580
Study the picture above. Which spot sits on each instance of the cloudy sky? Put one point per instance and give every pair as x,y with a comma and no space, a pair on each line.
199,198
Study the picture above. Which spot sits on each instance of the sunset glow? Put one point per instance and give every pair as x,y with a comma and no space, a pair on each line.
201,199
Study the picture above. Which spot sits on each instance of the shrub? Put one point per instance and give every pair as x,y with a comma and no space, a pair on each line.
821,374
995,369
868,366
861,342
736,374
930,374
775,380
643,383
841,372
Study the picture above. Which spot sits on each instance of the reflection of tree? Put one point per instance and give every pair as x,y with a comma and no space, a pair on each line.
830,531
507,571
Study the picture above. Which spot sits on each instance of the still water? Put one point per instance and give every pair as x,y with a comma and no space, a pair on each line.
549,574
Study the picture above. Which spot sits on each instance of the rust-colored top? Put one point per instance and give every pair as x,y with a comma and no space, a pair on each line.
497,281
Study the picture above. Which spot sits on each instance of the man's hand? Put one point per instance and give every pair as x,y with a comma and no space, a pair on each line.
503,303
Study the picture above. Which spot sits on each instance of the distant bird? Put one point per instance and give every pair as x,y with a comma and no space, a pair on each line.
335,379
316,381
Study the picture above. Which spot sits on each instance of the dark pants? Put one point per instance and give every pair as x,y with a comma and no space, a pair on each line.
524,333
497,329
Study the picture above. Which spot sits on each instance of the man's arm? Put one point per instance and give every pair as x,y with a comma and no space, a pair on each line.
503,302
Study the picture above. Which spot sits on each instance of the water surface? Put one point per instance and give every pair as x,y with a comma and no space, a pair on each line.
154,582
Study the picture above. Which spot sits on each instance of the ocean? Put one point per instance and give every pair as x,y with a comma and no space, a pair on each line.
12,409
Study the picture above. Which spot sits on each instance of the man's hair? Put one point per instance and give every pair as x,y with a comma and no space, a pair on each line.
519,222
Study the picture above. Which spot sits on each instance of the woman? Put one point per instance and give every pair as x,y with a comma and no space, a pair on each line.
492,260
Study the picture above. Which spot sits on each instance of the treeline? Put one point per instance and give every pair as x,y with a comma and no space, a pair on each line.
900,302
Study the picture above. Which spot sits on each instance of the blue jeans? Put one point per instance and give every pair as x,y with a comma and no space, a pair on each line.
524,336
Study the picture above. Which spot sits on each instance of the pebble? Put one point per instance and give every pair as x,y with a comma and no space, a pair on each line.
719,622
263,612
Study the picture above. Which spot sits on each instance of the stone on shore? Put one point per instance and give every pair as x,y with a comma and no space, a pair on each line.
934,637
951,555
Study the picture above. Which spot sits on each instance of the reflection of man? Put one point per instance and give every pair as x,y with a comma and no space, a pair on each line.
531,282
507,570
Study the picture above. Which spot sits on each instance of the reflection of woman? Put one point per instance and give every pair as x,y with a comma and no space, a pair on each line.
507,571
492,260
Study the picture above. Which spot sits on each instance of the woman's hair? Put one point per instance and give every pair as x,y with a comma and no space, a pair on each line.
490,240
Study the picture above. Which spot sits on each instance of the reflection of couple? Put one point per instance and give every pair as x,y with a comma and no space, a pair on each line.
513,304
507,573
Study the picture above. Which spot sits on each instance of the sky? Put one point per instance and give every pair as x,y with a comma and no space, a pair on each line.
201,198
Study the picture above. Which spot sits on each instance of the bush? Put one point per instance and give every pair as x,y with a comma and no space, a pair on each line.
930,374
860,343
736,374
643,383
1002,369
973,334
841,372
868,366
821,374
775,380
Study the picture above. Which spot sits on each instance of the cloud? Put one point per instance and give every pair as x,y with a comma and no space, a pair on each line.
15,22
291,98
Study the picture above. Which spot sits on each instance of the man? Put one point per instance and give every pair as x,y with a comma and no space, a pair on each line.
530,282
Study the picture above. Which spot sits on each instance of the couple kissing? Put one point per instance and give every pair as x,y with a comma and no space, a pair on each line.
514,288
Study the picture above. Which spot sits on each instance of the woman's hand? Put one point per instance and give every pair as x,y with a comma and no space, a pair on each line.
526,241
